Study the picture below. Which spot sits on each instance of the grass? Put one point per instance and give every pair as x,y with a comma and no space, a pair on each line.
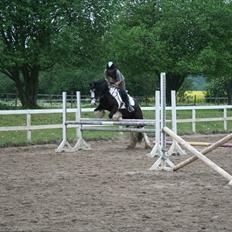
55,135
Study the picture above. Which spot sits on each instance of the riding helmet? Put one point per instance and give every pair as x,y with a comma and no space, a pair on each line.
110,65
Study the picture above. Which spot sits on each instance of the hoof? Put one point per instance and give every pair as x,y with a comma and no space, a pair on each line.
148,146
130,147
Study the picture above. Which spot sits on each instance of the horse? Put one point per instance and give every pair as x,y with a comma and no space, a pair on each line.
100,90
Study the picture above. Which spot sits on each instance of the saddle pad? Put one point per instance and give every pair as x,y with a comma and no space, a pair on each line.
115,93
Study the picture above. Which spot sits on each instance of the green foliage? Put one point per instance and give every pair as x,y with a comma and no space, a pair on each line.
60,80
67,43
148,40
135,53
216,57
6,85
36,35
28,29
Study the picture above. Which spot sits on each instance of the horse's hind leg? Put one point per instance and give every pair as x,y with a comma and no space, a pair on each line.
147,142
133,140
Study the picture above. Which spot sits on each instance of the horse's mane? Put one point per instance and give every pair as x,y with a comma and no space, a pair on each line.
100,81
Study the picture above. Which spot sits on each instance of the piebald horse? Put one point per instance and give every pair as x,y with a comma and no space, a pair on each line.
106,95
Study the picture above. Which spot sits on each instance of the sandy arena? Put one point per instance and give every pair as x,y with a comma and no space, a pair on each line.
110,189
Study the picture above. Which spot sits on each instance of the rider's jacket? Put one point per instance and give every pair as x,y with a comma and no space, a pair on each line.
115,78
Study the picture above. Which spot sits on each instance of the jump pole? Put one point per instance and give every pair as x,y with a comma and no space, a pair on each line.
64,145
204,144
199,155
212,147
123,122
163,162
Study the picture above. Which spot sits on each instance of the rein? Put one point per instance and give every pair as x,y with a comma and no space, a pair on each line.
93,96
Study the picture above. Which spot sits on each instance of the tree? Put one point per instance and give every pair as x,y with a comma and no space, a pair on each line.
133,43
68,80
151,38
135,53
28,42
215,59
37,34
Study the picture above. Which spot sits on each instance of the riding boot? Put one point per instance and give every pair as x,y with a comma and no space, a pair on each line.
125,99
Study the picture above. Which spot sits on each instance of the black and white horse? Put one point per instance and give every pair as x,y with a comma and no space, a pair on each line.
109,99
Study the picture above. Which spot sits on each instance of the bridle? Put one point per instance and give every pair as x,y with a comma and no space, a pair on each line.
93,95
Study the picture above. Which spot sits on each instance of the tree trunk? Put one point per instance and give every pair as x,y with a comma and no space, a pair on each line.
229,99
27,80
229,92
174,82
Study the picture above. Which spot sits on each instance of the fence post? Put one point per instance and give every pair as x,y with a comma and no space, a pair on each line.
16,99
225,118
194,120
71,100
50,100
173,100
28,130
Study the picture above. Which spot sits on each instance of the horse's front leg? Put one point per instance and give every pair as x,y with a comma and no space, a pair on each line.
114,113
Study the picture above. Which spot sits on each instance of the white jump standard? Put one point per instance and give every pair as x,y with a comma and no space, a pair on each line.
163,162
64,145
80,143
175,147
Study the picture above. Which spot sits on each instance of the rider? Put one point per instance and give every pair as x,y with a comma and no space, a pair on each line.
115,78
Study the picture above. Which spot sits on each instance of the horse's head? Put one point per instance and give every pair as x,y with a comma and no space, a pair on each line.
98,89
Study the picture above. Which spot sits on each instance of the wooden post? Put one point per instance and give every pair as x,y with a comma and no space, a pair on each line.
194,120
194,151
225,119
29,130
204,151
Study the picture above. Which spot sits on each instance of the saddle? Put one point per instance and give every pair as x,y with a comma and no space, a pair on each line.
115,93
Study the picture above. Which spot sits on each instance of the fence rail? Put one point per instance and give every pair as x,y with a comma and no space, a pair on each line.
55,100
193,119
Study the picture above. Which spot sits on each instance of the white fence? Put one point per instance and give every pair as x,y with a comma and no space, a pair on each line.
193,120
